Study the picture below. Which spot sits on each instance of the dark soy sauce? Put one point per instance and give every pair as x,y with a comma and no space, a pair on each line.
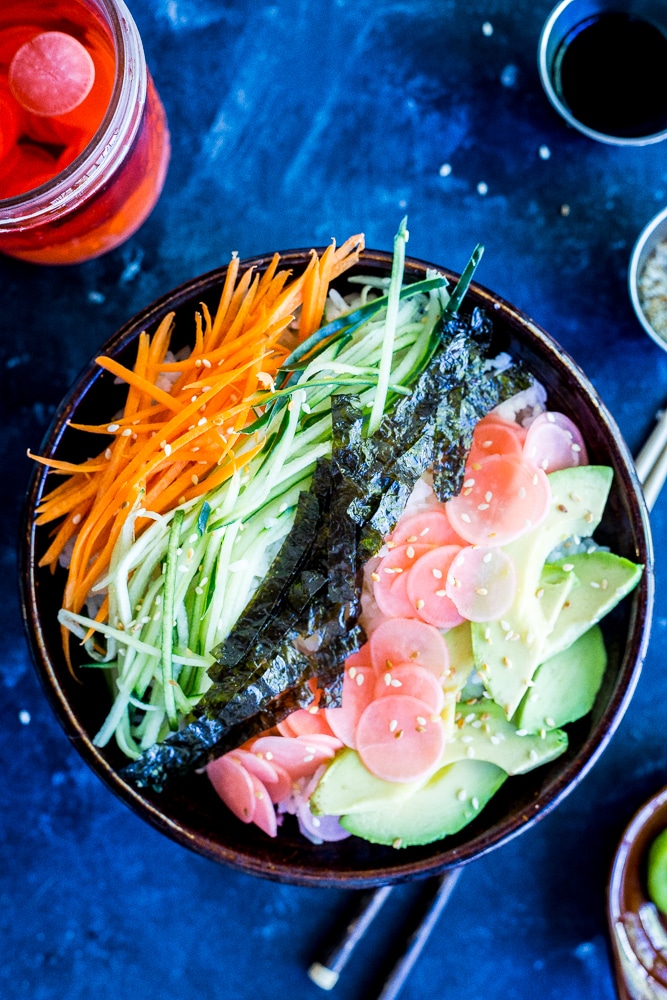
611,73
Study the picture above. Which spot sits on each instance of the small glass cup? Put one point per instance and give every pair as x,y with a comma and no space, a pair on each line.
111,187
564,22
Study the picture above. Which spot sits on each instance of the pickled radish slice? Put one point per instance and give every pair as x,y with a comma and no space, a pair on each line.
393,601
264,815
300,757
51,74
409,679
407,640
399,738
358,692
554,442
234,785
481,583
430,527
496,437
505,496
304,722
427,591
9,117
262,769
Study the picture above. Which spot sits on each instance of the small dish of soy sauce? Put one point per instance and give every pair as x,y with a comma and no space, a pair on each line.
602,65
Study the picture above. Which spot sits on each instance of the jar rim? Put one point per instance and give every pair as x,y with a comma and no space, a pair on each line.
111,141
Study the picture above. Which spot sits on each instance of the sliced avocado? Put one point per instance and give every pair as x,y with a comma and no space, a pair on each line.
566,684
347,786
485,734
445,804
461,656
508,652
603,580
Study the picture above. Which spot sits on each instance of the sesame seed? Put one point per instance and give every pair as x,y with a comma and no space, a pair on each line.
533,755
548,721
482,506
396,683
505,626
488,557
575,448
387,679
470,752
359,679
521,732
398,734
421,720
468,484
539,593
352,673
410,552
543,734
568,567
487,634
604,584
423,532
465,518
413,538
397,843
482,591
486,444
470,718
442,593
437,573
307,759
562,508
461,795
506,662
392,725
595,585
268,755
375,577
522,493
419,604
112,428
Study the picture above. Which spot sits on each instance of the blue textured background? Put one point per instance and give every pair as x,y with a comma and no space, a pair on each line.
293,122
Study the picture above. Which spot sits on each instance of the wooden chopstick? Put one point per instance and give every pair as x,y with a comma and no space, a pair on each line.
325,972
651,462
434,902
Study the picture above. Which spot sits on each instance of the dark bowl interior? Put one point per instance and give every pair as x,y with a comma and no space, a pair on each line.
190,812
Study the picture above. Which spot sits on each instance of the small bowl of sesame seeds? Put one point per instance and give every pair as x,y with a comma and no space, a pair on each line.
189,812
647,278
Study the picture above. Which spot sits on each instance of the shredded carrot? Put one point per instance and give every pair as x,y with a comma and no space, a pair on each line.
176,441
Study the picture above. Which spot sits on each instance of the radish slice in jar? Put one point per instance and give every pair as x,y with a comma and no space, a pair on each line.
406,640
417,682
234,785
554,442
358,692
430,527
503,497
399,738
51,74
392,600
481,583
426,587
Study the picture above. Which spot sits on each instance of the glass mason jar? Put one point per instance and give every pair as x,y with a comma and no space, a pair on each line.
103,196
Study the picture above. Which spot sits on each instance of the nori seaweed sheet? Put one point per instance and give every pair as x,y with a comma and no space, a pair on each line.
360,496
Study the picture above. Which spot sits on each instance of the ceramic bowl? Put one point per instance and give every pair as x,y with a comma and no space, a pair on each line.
638,931
647,244
190,812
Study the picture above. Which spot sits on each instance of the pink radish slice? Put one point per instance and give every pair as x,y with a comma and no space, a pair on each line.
504,496
51,74
430,527
264,815
554,442
417,682
282,786
234,785
361,658
356,696
304,722
426,587
331,744
496,437
406,640
391,599
481,583
263,769
399,738
299,757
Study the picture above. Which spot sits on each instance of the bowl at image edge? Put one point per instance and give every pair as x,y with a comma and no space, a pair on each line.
189,811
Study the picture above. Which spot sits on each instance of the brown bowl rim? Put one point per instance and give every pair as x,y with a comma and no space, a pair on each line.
442,857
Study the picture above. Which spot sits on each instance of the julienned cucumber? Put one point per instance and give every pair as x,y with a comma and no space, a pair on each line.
205,560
